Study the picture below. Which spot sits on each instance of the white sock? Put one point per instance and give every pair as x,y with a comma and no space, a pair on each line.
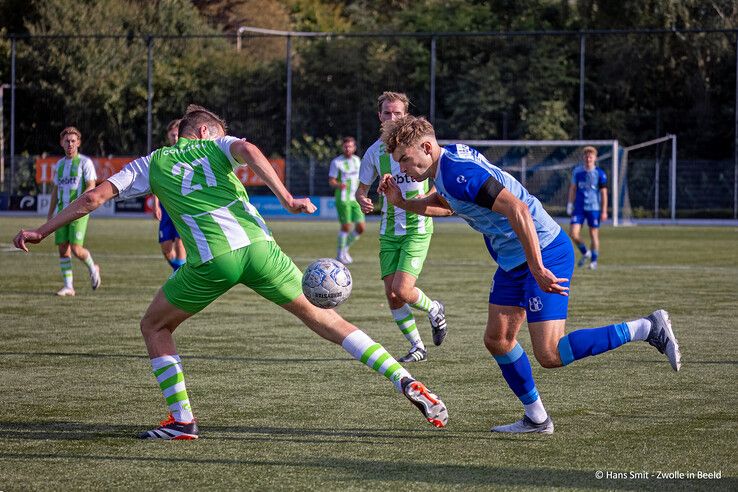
536,412
639,329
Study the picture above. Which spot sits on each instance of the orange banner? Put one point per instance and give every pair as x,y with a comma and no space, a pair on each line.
107,166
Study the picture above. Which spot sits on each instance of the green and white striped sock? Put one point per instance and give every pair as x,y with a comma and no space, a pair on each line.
66,269
363,348
352,237
169,375
423,303
406,322
89,263
342,237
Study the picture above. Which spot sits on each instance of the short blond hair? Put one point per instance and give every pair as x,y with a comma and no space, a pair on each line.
405,131
174,124
70,130
589,150
392,97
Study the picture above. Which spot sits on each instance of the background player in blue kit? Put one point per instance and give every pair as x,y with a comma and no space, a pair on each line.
169,240
535,261
587,201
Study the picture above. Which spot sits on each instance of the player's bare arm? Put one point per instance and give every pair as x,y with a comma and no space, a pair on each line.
430,205
367,206
52,203
521,222
248,153
333,183
86,203
603,212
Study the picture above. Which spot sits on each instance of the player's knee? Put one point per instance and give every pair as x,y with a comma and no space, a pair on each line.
77,250
549,359
360,228
498,343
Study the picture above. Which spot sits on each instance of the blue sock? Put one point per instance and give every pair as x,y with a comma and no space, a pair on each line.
592,341
582,248
516,370
176,263
595,253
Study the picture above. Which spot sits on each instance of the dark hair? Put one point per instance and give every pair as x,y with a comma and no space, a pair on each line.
196,116
349,139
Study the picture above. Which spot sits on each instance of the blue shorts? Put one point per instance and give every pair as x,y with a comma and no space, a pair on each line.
518,287
591,216
167,232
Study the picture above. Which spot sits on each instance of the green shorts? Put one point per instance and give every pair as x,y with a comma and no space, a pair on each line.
403,253
73,233
349,212
261,266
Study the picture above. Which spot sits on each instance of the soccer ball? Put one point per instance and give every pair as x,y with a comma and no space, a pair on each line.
326,283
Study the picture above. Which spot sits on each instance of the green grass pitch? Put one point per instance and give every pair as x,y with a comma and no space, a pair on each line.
279,408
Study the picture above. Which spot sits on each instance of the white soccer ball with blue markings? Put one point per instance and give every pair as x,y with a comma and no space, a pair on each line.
326,283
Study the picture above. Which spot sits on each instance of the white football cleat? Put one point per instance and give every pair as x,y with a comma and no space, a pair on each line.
527,426
95,279
66,291
662,337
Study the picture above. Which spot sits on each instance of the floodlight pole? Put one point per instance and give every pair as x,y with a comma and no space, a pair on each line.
432,110
12,114
581,86
672,175
149,91
2,138
288,115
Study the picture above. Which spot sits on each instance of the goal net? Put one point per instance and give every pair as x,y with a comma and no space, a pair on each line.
648,172
544,166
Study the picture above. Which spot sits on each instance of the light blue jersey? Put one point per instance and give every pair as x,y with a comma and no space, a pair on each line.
588,184
461,173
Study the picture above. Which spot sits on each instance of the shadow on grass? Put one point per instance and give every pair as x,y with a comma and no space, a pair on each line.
234,358
349,471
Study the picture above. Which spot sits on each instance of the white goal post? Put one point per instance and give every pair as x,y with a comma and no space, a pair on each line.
522,157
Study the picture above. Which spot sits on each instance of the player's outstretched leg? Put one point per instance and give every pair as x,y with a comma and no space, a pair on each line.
331,326
655,329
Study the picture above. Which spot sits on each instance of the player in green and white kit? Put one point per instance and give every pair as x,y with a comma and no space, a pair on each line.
73,175
227,243
343,176
404,238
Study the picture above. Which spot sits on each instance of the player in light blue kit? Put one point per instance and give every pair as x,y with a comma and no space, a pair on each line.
535,261
587,201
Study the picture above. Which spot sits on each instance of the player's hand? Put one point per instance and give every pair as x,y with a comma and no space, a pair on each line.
157,213
388,187
23,237
550,284
343,186
603,216
367,206
301,206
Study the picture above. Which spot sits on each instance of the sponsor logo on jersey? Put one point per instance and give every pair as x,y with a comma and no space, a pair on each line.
69,181
404,178
535,304
415,263
461,179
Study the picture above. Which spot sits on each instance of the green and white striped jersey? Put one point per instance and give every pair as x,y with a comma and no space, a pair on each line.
395,221
208,204
71,177
346,171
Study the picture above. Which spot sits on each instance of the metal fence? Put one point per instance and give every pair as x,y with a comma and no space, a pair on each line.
285,90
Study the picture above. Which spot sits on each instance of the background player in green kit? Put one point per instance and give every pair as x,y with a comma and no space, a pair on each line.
227,243
73,175
404,237
343,176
